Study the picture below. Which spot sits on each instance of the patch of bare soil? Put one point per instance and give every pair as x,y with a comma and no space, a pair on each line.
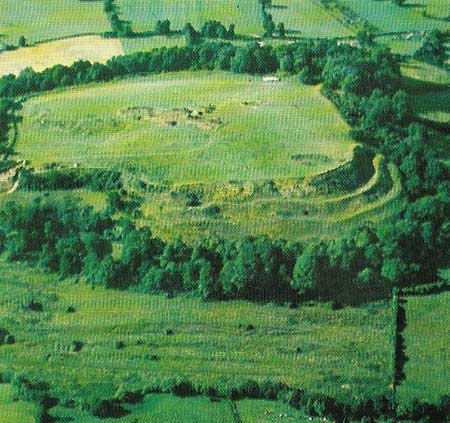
202,118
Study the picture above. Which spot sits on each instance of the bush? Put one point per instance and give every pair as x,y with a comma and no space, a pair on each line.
109,408
76,346
35,306
4,334
120,345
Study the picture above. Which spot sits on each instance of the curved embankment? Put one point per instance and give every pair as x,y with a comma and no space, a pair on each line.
290,217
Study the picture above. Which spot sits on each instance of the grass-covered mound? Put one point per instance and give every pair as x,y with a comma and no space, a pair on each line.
189,127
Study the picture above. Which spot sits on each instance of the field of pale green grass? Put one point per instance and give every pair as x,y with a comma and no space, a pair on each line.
40,20
252,134
428,348
307,18
344,352
245,14
388,17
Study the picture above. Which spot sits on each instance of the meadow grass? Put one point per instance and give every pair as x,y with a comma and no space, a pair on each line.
389,17
39,20
161,408
429,89
435,8
399,44
309,19
286,214
342,353
133,45
427,347
252,134
12,411
61,52
261,411
245,14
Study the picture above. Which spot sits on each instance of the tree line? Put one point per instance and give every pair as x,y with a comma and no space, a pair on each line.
365,84
363,409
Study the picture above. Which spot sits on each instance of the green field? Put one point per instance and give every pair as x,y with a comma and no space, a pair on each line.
168,408
435,8
252,134
12,411
133,45
429,87
428,348
161,408
245,14
60,52
388,17
253,156
310,19
341,352
40,20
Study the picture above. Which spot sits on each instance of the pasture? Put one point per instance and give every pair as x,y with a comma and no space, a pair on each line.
428,348
188,127
12,411
310,19
133,45
386,16
343,352
429,87
39,20
61,52
168,408
287,210
245,14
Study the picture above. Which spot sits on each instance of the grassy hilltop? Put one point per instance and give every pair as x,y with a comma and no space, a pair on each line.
261,182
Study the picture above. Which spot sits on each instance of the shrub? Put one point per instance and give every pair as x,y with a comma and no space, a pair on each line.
109,408
35,306
4,334
120,345
76,346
